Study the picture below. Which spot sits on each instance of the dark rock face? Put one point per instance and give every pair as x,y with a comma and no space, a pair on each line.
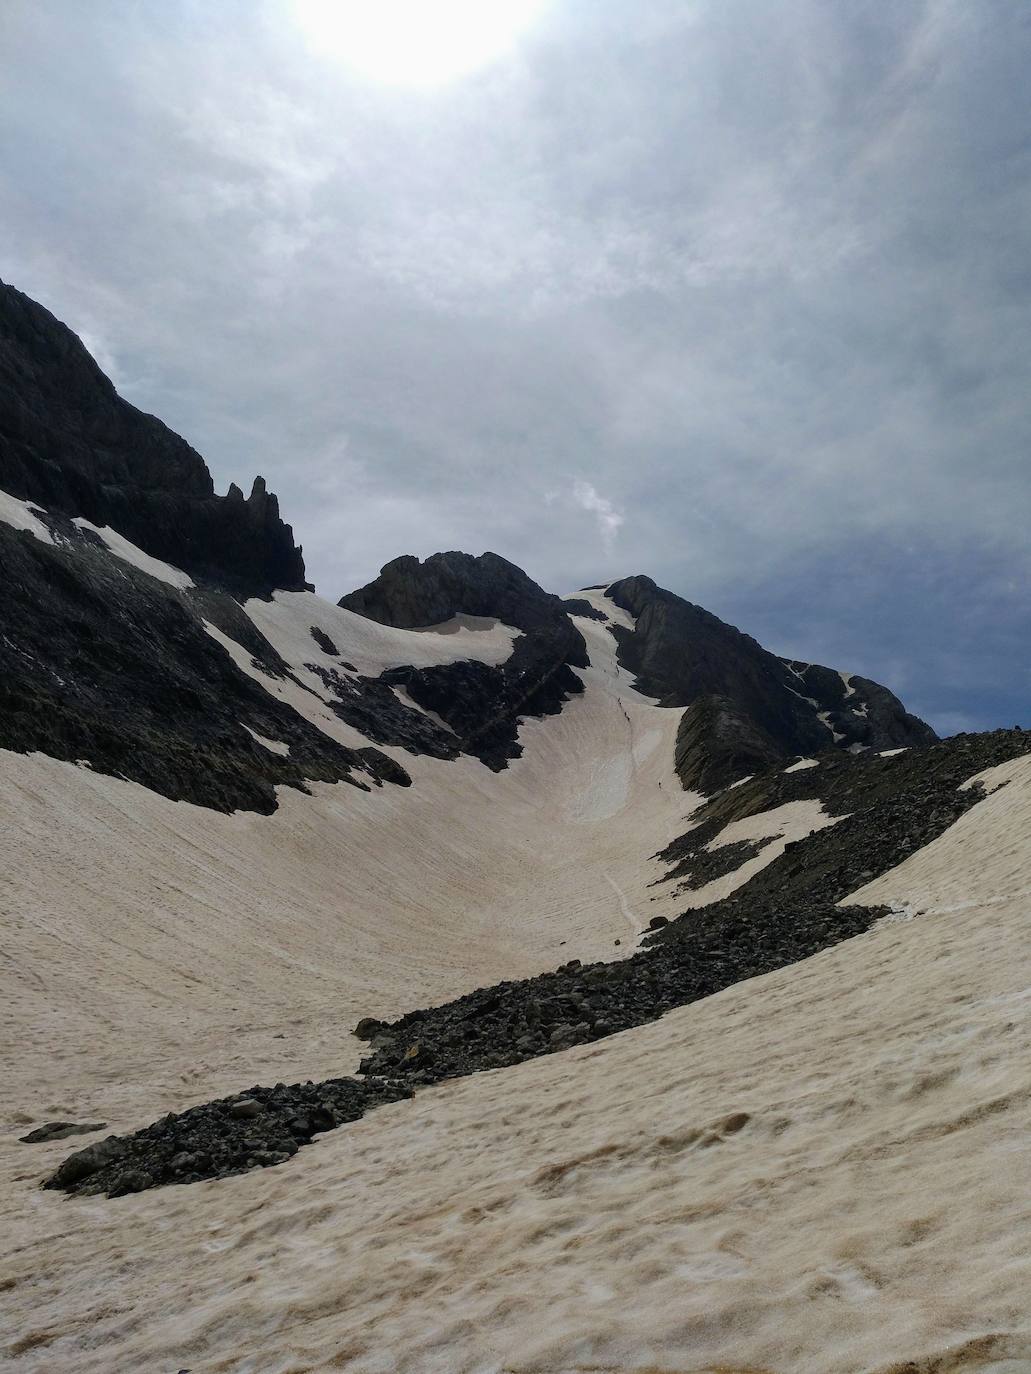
411,595
103,663
750,706
717,742
69,442
481,703
787,912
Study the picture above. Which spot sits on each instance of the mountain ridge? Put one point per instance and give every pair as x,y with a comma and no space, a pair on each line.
71,444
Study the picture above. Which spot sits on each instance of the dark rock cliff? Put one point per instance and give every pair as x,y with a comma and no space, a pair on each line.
482,704
749,708
69,442
103,664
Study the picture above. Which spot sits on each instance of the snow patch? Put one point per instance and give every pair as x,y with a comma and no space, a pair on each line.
286,623
274,746
129,553
22,516
824,718
782,825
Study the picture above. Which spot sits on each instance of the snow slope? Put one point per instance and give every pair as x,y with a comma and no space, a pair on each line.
816,1172
820,1171
232,929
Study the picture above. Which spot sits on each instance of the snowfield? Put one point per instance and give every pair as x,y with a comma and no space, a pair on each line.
821,1171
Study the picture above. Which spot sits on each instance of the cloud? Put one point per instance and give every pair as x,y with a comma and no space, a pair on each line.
746,284
608,519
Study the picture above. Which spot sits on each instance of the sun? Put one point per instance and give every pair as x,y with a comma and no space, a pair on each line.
414,42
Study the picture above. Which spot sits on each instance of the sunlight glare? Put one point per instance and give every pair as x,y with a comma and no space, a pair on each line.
414,42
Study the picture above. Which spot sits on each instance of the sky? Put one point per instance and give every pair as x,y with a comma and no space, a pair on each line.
735,293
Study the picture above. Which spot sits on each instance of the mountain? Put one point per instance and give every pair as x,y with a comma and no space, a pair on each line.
524,982
482,704
750,707
69,443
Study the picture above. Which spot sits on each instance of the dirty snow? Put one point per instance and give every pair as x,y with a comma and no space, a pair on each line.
782,826
821,1171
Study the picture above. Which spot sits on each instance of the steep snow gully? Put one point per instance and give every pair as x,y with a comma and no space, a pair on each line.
818,1170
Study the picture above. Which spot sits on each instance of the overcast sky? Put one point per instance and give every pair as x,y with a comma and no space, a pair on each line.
733,292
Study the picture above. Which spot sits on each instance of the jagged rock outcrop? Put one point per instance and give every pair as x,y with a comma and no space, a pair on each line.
748,707
102,663
482,704
69,442
718,742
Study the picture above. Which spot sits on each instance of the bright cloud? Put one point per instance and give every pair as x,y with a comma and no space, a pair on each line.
608,519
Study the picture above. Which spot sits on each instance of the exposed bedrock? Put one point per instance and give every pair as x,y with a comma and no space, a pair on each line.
482,704
757,707
102,663
69,442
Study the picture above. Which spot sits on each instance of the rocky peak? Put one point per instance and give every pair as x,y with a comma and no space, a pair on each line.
749,707
483,705
69,442
411,594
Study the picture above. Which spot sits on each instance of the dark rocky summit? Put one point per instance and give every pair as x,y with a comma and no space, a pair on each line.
889,808
482,704
103,663
749,708
69,442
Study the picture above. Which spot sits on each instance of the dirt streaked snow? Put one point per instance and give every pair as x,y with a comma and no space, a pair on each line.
822,1171
231,929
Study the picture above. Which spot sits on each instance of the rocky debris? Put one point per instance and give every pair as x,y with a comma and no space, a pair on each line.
69,442
60,1130
370,706
695,865
101,662
256,1129
481,703
755,707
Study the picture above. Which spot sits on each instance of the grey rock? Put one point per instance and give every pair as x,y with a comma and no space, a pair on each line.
60,1130
246,1109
